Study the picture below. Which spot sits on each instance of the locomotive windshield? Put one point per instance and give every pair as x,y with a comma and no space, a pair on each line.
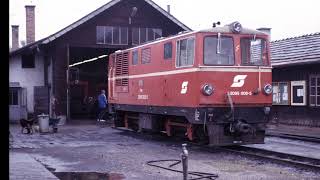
253,52
218,52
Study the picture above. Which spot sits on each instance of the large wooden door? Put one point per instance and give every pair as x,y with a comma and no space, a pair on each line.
41,100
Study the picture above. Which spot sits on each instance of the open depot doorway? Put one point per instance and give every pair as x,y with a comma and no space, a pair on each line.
86,80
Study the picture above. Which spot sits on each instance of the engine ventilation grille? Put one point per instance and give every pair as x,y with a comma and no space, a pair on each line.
122,69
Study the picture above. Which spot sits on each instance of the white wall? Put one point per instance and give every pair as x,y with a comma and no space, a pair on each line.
27,77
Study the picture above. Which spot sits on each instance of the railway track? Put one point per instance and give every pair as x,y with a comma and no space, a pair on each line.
278,157
295,137
301,162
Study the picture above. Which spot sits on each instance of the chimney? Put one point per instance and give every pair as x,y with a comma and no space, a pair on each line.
168,9
15,36
266,30
30,23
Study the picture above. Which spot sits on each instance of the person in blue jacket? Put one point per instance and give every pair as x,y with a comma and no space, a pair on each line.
102,104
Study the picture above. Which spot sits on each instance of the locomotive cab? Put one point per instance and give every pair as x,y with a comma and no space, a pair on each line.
235,82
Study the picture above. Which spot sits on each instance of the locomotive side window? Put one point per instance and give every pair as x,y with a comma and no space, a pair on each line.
185,52
167,52
135,57
216,53
146,56
253,52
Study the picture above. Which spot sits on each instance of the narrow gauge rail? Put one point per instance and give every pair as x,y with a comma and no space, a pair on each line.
301,162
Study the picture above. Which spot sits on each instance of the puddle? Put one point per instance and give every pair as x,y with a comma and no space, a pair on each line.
88,176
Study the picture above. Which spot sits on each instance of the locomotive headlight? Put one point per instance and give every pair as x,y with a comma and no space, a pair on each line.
236,27
207,89
267,89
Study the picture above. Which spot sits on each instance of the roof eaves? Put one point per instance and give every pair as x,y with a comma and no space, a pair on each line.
30,46
291,38
293,63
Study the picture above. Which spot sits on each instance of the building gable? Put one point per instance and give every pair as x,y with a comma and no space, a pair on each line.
122,17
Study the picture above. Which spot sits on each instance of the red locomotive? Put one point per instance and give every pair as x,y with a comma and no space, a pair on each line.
213,85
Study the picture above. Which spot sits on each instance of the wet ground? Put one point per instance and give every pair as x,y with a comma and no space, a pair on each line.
89,148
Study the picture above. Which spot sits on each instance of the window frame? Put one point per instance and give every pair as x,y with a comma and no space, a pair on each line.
234,58
13,91
288,93
133,52
164,50
147,34
120,28
194,51
25,64
265,62
104,35
299,83
316,86
145,49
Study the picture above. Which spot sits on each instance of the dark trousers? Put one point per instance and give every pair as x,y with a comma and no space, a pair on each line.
102,112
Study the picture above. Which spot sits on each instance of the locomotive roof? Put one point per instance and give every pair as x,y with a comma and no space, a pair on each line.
226,29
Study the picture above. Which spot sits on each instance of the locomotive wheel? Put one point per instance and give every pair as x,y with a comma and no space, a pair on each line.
201,134
131,121
118,119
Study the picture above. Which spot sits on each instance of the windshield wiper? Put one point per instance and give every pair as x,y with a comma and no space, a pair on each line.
219,44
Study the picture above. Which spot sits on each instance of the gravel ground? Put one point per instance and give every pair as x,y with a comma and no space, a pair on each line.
89,148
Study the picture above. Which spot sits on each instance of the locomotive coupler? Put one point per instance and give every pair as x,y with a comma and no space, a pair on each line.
240,127
184,159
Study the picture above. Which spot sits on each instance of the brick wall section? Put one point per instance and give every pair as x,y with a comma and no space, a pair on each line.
15,36
30,23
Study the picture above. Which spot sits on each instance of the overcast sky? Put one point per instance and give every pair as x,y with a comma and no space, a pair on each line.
287,18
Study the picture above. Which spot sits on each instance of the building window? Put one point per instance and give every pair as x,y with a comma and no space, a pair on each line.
314,90
167,50
13,96
298,93
141,35
113,35
185,52
146,56
28,61
280,93
100,35
135,57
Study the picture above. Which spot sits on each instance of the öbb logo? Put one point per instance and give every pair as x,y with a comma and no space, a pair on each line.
184,87
238,80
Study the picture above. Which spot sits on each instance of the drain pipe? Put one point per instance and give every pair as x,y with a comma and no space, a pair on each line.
184,158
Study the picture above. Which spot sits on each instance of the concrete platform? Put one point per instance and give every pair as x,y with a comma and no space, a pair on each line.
23,167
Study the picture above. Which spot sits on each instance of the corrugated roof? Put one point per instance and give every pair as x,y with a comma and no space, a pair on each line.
92,15
296,50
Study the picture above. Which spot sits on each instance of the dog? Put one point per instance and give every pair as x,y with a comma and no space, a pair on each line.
26,124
